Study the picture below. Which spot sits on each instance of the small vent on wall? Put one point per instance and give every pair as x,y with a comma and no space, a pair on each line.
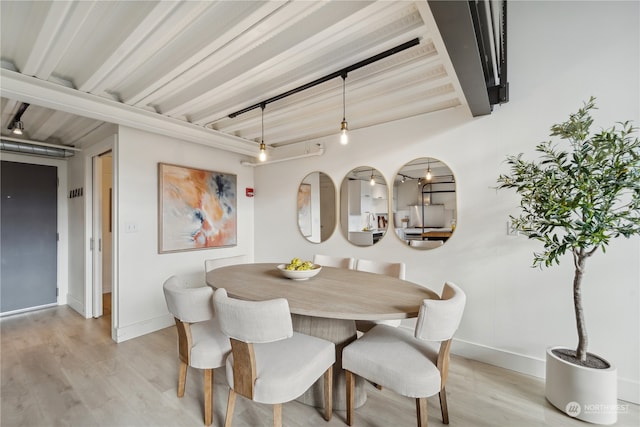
34,148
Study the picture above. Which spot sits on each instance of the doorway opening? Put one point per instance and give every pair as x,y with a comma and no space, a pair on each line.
103,239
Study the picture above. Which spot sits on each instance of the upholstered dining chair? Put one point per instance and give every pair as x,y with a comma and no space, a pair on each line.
211,264
201,343
413,365
269,363
334,261
392,269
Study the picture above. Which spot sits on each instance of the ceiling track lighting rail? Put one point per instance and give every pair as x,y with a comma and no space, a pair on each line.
15,124
341,73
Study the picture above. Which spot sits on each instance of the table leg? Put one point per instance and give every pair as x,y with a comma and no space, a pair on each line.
341,332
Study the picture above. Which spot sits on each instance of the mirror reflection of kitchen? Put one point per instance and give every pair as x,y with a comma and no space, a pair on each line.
364,206
424,203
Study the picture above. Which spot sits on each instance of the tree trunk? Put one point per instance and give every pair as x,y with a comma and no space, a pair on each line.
583,340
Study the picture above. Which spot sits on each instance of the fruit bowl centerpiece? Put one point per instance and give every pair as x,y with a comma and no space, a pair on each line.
299,270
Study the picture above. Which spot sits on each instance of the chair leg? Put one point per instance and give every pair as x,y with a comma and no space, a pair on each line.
277,415
182,378
421,411
328,393
350,395
443,406
231,403
208,397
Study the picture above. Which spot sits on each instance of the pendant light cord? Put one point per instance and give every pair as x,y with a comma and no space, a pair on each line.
344,104
262,122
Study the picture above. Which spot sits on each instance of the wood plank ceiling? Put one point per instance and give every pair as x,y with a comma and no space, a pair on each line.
185,66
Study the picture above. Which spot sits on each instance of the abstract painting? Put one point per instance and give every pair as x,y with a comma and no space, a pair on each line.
304,209
197,209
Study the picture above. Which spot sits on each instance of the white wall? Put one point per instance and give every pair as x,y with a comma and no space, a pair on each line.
141,270
560,53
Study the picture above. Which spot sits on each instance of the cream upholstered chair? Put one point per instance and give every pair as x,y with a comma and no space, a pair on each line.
269,363
211,264
411,365
334,261
392,269
426,244
201,343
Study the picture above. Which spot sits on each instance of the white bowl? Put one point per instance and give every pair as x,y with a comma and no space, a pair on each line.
300,274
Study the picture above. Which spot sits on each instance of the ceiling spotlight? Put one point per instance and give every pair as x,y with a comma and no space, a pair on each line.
18,127
344,128
263,147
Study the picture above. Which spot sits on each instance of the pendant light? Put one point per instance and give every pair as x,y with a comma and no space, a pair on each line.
18,127
263,147
428,175
372,181
344,129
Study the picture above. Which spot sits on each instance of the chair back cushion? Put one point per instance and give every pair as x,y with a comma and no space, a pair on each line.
334,261
392,269
189,304
438,320
253,321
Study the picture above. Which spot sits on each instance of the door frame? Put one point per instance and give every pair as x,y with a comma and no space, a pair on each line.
93,281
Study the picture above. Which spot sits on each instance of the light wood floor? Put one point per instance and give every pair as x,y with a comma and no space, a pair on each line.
58,369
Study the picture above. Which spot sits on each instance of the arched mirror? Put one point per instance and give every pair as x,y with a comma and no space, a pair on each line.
364,206
424,203
316,207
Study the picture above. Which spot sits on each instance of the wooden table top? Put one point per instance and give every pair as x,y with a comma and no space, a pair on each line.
334,293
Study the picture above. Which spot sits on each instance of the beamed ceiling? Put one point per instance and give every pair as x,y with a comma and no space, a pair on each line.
181,68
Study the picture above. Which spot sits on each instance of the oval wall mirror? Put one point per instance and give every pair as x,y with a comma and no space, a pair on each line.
364,206
316,207
424,203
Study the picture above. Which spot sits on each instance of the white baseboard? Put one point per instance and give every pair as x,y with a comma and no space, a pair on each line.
77,305
142,328
628,390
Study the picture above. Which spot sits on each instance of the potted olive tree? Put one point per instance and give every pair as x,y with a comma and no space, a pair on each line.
579,195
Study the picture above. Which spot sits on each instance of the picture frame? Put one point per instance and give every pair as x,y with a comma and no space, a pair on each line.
197,209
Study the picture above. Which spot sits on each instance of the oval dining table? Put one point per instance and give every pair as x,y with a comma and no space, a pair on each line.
326,306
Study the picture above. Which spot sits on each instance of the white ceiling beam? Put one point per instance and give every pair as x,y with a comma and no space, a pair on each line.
178,76
39,92
324,61
294,49
63,37
174,24
46,36
237,58
56,121
141,32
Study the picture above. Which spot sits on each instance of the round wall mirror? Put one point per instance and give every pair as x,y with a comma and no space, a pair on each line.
316,207
424,203
364,206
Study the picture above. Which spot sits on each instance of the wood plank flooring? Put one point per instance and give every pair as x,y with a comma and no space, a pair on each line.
58,369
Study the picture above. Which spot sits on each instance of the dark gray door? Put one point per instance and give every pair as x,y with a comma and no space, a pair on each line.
28,235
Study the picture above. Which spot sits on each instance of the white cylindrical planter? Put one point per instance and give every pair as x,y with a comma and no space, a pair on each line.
585,393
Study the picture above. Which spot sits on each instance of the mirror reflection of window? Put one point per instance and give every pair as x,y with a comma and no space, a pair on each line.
316,207
424,203
364,206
